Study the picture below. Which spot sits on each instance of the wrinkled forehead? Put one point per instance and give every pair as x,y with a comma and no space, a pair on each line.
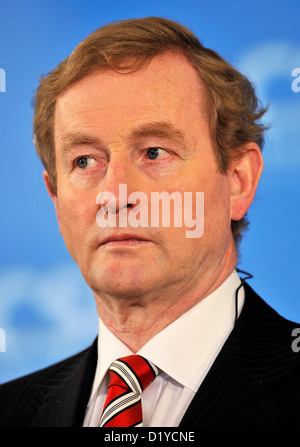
168,87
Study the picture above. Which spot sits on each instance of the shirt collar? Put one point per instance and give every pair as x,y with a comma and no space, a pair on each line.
186,349
110,348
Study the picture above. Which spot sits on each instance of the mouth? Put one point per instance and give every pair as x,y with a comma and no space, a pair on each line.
124,240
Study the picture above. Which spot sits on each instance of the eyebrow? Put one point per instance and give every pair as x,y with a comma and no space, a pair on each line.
72,139
161,129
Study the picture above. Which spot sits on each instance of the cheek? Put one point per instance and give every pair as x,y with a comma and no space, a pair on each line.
216,190
217,210
76,215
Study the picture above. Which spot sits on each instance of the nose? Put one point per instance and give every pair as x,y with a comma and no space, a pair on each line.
121,179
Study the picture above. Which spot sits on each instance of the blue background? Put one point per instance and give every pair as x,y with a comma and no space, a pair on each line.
46,309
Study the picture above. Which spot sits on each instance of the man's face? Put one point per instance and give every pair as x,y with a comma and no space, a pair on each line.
150,131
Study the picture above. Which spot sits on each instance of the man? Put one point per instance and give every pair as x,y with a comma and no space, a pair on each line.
142,103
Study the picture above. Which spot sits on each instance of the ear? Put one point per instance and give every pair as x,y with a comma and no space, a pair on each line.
51,193
245,174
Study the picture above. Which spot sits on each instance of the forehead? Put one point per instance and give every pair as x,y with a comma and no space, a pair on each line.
167,88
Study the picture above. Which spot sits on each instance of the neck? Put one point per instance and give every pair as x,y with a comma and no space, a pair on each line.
135,320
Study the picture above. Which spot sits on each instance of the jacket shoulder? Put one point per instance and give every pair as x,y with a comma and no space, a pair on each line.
262,334
263,342
42,374
24,395
255,379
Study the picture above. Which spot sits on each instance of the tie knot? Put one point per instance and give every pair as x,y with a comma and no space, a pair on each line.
133,371
129,376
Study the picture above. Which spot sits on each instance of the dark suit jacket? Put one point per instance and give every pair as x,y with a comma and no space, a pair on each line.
255,381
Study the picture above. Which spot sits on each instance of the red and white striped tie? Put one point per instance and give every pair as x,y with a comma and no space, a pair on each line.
129,376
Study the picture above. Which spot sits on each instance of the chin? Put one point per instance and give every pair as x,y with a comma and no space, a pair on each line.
124,290
123,283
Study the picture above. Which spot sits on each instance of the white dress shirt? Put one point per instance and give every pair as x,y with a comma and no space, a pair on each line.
184,351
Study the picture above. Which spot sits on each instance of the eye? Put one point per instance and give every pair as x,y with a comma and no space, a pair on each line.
83,162
154,152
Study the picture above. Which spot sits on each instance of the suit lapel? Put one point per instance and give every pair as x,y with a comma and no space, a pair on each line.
63,396
243,386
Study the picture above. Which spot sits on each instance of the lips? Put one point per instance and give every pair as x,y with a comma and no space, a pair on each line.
126,239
